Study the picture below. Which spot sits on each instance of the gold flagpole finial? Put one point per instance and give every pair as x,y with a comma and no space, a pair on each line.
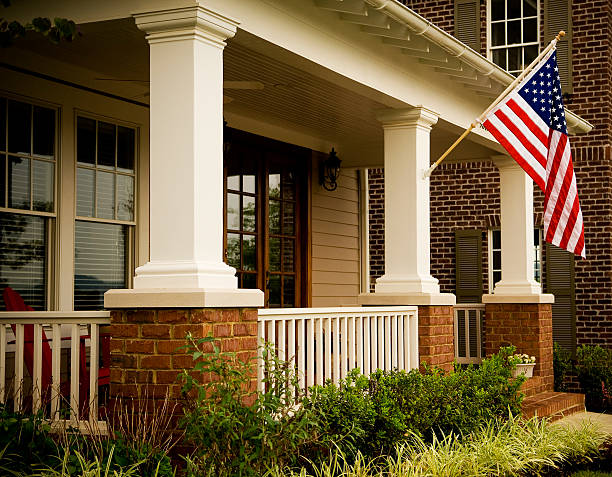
560,35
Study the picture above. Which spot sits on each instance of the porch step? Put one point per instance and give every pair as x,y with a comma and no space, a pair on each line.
552,405
533,386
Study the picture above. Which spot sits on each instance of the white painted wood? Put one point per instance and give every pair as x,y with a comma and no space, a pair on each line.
291,351
301,351
374,364
18,383
350,343
328,347
2,361
74,372
381,342
37,371
310,358
282,346
359,339
336,349
319,349
387,343
56,370
367,351
400,348
260,365
94,357
394,343
414,341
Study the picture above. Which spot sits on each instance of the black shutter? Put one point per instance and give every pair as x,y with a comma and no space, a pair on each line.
558,16
468,266
560,282
467,23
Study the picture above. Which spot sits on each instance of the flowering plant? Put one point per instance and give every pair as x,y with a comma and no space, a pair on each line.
521,359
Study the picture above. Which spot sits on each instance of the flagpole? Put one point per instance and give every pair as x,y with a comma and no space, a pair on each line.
500,98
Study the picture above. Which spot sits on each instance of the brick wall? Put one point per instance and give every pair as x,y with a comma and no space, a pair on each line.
467,195
145,359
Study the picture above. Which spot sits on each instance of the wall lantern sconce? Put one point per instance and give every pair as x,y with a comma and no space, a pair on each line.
329,171
227,144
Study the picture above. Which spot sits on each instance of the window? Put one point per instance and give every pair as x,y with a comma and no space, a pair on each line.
513,33
495,272
27,197
106,156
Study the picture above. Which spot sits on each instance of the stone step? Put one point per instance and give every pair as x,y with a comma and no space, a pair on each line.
552,405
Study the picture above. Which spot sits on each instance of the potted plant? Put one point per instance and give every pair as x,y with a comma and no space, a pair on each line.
523,364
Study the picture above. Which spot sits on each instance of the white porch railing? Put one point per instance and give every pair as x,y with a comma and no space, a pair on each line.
32,343
326,343
469,322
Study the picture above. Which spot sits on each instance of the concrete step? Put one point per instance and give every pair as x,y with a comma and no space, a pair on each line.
552,405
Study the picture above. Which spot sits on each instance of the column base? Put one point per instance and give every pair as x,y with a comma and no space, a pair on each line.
521,288
415,299
186,274
407,285
184,298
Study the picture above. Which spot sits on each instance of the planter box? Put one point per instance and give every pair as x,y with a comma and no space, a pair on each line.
523,369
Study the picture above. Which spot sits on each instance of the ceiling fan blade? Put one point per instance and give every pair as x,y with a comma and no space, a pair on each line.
243,85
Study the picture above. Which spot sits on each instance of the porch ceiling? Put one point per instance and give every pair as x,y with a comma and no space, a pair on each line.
317,111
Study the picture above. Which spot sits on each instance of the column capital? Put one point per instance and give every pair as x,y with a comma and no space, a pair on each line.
193,23
502,161
407,117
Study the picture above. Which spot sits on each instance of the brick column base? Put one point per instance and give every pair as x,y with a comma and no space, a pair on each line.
527,326
145,360
436,336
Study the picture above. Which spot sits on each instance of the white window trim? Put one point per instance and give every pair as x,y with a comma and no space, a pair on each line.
490,48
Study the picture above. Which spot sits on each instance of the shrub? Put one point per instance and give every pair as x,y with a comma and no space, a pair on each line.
594,369
562,365
237,431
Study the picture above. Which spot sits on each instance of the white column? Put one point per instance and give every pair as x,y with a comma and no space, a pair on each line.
407,277
517,251
186,154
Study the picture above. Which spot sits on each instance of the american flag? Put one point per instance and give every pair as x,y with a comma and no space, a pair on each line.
530,124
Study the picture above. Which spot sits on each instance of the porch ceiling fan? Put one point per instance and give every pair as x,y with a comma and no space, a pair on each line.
237,85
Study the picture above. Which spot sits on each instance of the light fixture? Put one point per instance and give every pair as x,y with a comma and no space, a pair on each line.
329,171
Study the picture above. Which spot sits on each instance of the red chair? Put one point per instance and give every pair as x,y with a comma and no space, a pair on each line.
14,302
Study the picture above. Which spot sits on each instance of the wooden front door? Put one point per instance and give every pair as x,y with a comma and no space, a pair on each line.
265,234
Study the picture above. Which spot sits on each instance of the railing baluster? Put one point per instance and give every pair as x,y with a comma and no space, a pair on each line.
381,342
37,365
93,371
291,351
320,345
311,336
282,335
374,344
387,345
56,370
260,364
18,383
2,361
401,343
360,353
337,349
414,340
301,351
351,343
394,356
328,348
74,371
367,346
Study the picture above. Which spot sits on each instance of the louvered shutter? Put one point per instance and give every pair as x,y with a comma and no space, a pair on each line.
468,266
560,282
558,16
467,22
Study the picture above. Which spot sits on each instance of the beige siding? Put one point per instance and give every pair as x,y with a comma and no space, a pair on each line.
335,241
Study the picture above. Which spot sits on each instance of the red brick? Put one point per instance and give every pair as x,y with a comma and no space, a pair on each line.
172,316
155,362
139,346
155,331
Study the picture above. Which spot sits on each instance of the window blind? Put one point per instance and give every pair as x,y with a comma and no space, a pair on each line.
100,262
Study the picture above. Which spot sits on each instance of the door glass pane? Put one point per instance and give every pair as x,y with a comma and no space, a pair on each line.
233,211
248,183
274,254
99,262
249,256
288,185
125,197
19,183
248,214
42,185
233,182
105,195
2,180
44,132
2,124
86,140
126,148
274,217
85,192
288,218
19,127
288,255
274,296
249,280
274,186
233,250
288,291
106,145
23,257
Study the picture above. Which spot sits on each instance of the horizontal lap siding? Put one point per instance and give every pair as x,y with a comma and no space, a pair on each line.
335,241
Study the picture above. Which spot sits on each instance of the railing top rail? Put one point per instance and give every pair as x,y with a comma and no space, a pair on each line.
342,310
61,317
469,306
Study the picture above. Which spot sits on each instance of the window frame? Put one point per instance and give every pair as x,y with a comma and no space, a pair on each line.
131,246
491,49
51,219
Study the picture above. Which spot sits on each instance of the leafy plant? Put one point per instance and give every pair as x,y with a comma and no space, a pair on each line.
594,370
562,365
238,431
